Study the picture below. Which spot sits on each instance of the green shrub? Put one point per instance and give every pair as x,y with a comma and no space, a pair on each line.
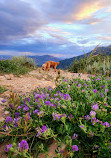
99,64
76,113
18,65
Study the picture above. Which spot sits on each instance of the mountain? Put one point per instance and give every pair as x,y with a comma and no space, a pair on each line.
5,57
64,64
39,60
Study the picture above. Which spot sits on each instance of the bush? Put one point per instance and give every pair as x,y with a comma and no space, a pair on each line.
76,113
92,64
18,65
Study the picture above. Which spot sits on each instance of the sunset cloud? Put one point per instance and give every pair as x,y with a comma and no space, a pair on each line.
54,26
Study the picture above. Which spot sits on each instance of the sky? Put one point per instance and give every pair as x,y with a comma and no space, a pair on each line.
62,28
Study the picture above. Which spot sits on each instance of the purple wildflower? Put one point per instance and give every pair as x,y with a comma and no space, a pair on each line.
106,124
67,97
94,90
8,120
16,120
96,146
79,85
49,88
105,104
61,94
82,127
100,122
92,113
40,113
106,90
60,151
43,129
95,107
68,86
37,97
55,95
74,136
52,105
26,108
17,114
10,105
94,121
3,101
23,145
102,95
87,117
4,126
75,148
38,134
19,107
56,99
27,99
47,102
70,116
103,86
91,134
35,111
56,116
7,147
65,80
63,115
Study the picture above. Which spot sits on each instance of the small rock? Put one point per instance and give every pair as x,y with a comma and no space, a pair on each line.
6,112
7,77
11,76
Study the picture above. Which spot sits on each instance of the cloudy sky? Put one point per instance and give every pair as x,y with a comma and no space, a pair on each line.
63,28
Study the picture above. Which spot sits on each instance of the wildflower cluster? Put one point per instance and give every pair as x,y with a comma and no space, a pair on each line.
75,113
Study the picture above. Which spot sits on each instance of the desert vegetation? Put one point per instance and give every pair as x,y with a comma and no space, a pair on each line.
93,64
77,113
17,65
2,89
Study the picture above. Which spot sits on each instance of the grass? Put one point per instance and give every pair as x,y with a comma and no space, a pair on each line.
2,89
93,64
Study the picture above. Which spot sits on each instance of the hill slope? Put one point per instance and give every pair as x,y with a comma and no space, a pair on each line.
64,64
39,60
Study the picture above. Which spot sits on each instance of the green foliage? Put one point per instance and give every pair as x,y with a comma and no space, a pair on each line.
18,65
2,89
99,64
58,114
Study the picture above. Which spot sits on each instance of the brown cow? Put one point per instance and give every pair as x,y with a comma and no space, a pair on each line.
49,64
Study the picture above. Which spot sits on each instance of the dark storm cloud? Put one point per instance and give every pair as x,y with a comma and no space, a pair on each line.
46,47
17,20
21,20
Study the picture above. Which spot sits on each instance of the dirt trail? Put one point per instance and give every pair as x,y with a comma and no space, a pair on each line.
35,78
30,81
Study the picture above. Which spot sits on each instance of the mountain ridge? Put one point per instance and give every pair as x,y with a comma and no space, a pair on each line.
39,60
64,64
